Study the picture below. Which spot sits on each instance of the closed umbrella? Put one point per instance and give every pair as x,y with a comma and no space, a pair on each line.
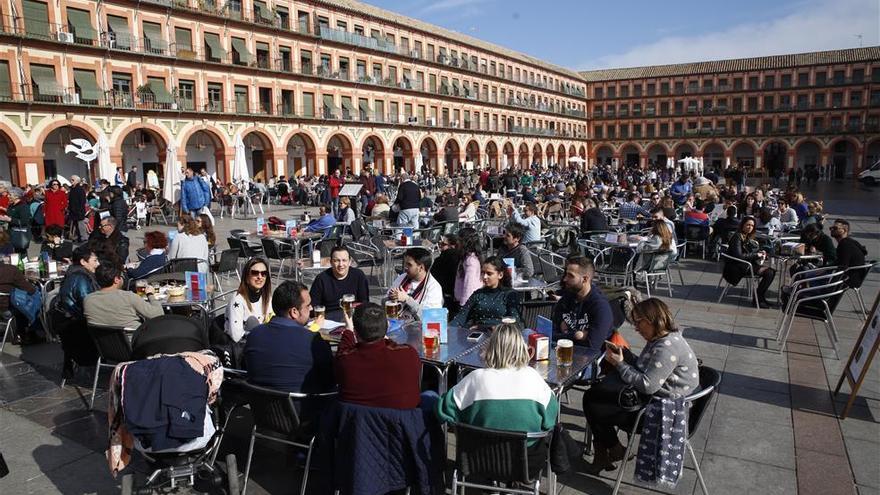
503,162
239,163
105,168
171,188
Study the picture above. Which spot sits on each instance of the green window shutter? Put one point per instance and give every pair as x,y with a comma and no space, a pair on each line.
44,77
121,31
212,41
183,39
240,47
36,18
88,84
328,103
160,92
308,105
5,83
81,22
153,41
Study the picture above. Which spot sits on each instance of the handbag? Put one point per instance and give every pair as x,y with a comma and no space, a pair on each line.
612,389
20,238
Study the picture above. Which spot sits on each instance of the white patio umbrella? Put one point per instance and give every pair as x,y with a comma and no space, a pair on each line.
503,162
670,162
239,163
727,163
171,188
105,168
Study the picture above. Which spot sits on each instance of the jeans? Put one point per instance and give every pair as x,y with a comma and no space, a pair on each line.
408,218
334,203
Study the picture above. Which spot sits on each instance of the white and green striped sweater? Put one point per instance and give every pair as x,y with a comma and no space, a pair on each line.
506,399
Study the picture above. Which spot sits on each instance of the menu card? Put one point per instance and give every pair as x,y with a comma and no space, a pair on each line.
436,319
196,286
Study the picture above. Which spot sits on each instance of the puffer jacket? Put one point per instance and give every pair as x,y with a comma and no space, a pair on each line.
194,194
76,286
119,211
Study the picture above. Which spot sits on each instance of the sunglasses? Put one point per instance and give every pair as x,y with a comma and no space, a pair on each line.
260,273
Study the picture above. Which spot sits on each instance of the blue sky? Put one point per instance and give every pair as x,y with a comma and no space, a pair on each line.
584,34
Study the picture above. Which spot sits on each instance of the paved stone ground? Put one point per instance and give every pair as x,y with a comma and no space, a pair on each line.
772,429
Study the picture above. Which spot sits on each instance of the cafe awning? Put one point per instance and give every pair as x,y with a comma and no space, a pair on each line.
87,83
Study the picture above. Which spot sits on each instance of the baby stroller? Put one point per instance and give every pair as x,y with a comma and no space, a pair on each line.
165,408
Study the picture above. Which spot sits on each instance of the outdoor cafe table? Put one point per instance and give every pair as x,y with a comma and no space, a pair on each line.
559,378
529,285
631,241
441,358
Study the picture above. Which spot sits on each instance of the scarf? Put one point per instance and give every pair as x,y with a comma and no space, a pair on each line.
418,293
660,459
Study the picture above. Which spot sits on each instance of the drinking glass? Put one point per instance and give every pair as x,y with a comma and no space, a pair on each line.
564,352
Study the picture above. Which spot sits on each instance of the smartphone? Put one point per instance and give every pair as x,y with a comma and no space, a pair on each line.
612,345
474,336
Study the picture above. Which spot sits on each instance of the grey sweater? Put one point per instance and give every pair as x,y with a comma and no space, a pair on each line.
666,367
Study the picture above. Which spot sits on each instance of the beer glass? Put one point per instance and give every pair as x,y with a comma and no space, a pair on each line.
347,303
392,309
319,311
431,341
140,287
564,352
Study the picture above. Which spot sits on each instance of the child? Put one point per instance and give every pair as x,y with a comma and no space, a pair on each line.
140,211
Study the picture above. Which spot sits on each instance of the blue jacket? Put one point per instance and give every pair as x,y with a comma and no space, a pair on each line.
149,264
323,224
76,286
194,194
376,450
284,355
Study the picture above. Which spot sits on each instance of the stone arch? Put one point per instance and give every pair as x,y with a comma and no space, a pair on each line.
629,155
452,156
492,154
430,154
807,153
523,159
259,154
604,154
658,154
372,153
537,154
9,149
684,149
551,154
582,152
54,160
204,147
774,154
844,156
301,155
743,153
508,156
142,145
561,157
339,149
402,154
472,153
713,154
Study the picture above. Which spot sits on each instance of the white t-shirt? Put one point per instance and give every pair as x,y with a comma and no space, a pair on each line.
239,319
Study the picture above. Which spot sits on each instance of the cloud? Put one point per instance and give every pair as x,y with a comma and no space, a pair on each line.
816,25
449,5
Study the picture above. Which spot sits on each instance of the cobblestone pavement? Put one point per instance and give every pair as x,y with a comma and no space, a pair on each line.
772,429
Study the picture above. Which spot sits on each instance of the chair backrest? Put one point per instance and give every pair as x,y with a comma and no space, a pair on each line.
696,232
111,342
228,260
549,271
270,249
275,410
536,264
247,250
497,455
326,245
234,243
531,310
179,265
168,334
237,233
856,275
710,379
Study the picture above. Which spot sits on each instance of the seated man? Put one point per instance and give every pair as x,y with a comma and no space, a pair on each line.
786,215
514,248
283,354
372,370
631,209
850,252
583,314
725,227
110,306
324,223
416,289
331,284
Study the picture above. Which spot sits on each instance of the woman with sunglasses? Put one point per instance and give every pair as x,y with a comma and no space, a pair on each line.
56,204
249,305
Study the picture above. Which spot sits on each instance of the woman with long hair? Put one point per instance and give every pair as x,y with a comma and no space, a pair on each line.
493,302
743,246
749,207
467,275
207,227
250,305
657,249
190,242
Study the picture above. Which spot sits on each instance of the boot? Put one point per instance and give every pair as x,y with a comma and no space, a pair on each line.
616,452
601,459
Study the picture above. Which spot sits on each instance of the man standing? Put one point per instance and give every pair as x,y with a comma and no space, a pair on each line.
681,189
283,354
195,195
583,314
76,208
369,189
408,197
131,179
334,184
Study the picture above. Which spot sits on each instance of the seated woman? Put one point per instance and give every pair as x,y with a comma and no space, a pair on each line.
507,394
190,242
155,244
666,368
249,306
55,245
494,301
656,250
346,213
381,208
743,246
814,214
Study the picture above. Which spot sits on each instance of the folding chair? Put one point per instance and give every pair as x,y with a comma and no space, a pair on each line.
113,348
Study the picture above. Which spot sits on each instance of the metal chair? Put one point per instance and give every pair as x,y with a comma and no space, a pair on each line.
751,283
696,234
659,271
499,456
699,401
179,265
278,251
857,288
814,302
113,348
531,310
615,264
677,261
228,264
8,321
277,418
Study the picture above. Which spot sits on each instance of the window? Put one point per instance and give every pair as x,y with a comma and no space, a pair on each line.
855,98
342,25
240,53
379,110
305,61
753,82
215,97
241,99
377,73
858,76
262,14
392,74
803,79
287,103
679,87
359,30
839,77
283,18
803,102
664,88
837,99
263,60
737,104
786,80
122,89
5,83
183,43
302,21
79,23
363,109
394,112
821,78
153,41
612,92
285,63
118,32
819,100
624,93
214,51
752,126
323,23
325,69
737,83
36,19
753,103
737,127
186,91
344,69
308,102
598,93
768,102
769,81
664,108
347,108
45,85
87,87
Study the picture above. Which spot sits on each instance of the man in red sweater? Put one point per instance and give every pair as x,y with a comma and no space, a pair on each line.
372,370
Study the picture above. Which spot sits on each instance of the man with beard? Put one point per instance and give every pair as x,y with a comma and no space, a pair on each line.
583,314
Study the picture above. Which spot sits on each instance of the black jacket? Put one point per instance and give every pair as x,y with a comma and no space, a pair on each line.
851,253
408,195
119,211
742,249
593,220
76,203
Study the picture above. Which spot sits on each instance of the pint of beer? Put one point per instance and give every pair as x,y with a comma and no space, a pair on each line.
319,311
141,287
347,303
564,352
392,309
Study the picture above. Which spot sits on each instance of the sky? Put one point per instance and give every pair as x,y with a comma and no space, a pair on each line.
588,34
